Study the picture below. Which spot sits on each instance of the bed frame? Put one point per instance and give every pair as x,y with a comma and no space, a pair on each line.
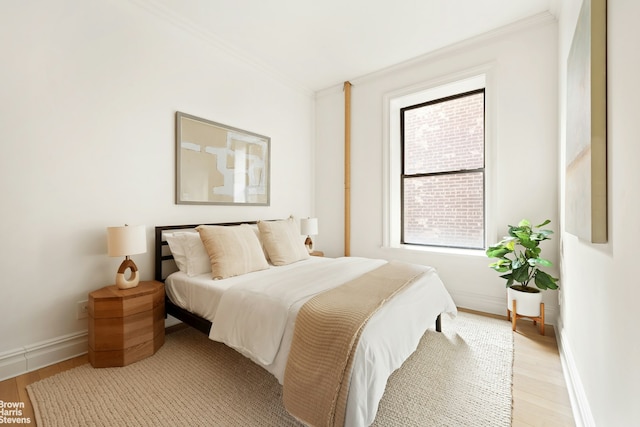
165,265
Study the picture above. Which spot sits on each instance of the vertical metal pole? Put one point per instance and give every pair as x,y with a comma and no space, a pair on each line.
347,168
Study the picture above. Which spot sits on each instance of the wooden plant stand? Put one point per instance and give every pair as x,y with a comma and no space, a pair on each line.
512,316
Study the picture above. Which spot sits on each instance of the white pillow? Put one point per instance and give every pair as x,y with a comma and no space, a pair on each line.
283,241
197,258
178,252
189,253
233,250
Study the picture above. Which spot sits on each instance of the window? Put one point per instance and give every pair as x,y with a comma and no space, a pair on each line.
442,175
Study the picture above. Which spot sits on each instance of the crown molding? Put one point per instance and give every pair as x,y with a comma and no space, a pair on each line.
538,20
169,16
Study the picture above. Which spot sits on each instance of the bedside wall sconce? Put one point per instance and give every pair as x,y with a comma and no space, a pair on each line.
309,226
126,241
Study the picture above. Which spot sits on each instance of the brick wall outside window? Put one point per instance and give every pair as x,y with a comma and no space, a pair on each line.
443,180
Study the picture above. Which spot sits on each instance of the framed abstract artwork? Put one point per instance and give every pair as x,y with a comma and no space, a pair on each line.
218,164
586,139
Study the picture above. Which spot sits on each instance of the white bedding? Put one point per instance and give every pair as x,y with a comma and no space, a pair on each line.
255,314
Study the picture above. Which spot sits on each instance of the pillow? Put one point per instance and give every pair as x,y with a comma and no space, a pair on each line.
197,257
256,230
178,252
233,250
189,252
283,241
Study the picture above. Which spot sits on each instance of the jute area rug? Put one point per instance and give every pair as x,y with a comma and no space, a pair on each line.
461,377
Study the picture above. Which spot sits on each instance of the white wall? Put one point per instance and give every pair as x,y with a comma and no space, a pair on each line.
89,91
600,290
522,64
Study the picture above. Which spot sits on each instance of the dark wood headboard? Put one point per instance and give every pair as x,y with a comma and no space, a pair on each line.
164,263
163,258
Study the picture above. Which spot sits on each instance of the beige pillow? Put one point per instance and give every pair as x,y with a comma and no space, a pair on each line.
283,241
256,230
233,250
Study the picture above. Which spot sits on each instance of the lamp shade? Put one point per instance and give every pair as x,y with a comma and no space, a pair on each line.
309,226
126,240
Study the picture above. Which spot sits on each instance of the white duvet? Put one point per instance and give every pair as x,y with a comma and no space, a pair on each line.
256,316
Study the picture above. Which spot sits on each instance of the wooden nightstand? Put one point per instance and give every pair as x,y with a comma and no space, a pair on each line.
125,325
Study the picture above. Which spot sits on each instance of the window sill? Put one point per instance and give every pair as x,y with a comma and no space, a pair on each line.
437,250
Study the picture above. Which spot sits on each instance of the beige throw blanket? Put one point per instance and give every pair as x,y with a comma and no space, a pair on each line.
328,326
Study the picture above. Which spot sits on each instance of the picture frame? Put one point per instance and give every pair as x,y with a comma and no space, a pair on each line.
586,133
217,164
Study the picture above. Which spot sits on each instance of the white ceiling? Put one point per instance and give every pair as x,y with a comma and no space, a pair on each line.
319,43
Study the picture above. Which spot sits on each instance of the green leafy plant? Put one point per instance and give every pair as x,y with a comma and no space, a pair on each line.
518,255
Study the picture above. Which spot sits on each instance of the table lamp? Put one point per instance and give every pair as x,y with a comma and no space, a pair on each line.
309,226
126,241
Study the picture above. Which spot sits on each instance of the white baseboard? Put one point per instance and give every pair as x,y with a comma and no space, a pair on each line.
32,357
56,350
496,305
35,356
12,363
579,403
479,302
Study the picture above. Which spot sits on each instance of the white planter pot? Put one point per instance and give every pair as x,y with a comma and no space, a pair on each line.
527,303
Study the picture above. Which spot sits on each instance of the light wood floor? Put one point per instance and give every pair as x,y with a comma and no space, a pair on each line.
540,396
539,392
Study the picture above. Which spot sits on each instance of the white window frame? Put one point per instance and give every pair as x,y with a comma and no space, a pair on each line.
477,78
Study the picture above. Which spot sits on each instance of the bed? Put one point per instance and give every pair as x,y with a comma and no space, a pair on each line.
209,305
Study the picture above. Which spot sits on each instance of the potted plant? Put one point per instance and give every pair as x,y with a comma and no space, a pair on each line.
518,256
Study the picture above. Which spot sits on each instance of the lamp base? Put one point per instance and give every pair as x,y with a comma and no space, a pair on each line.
121,281
309,244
